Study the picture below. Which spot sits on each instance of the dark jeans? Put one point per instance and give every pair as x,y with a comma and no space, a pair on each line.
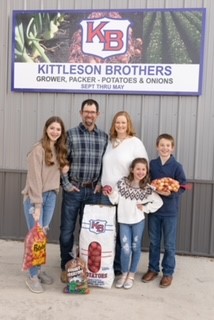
117,263
158,226
72,206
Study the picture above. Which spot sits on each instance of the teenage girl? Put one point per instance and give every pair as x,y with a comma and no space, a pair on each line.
45,162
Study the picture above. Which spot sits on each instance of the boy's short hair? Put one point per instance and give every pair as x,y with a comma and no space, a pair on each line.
165,136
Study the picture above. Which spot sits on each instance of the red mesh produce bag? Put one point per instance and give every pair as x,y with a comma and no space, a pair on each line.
169,184
166,184
34,248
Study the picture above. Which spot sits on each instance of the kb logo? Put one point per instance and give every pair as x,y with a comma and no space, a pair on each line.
105,37
97,226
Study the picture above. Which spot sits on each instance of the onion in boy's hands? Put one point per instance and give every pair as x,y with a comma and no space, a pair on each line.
167,185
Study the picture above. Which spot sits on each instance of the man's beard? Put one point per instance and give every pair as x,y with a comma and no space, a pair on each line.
89,122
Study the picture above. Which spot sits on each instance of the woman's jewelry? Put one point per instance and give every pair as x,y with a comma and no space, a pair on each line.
118,141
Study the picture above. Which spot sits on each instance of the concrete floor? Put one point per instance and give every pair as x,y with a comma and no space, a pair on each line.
190,297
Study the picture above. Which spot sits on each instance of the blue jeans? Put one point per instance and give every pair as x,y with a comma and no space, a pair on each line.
48,206
72,206
158,226
131,243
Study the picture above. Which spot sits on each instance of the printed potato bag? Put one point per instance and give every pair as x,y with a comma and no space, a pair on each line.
97,244
34,248
77,281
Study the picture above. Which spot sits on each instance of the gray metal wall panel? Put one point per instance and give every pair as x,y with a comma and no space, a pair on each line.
195,234
202,218
12,219
189,119
2,200
205,121
186,134
185,224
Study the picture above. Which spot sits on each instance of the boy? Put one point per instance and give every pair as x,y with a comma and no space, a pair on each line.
164,221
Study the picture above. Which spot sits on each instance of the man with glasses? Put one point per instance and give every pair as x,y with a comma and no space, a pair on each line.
82,185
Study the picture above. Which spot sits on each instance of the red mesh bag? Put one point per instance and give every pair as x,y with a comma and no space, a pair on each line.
34,248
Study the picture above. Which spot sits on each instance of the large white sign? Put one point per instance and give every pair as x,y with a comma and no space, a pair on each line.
124,52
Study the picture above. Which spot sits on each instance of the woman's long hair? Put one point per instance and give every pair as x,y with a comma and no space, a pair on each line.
60,145
130,128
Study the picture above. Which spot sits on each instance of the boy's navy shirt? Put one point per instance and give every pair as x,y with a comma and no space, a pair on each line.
171,169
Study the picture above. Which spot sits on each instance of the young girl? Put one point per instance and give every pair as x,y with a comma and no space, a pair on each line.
45,161
134,198
123,147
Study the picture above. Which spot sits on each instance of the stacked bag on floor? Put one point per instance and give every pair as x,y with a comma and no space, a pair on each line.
97,244
77,281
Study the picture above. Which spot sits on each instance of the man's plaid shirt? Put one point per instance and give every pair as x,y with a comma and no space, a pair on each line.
86,149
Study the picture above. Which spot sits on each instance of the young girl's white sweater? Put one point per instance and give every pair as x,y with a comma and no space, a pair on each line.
127,198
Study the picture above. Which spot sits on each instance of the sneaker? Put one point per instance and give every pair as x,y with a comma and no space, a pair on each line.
129,283
34,284
63,277
149,276
120,282
44,278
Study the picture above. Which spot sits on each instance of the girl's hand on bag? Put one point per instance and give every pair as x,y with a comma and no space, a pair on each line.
36,214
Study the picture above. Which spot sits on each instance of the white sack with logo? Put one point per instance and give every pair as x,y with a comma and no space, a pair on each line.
97,244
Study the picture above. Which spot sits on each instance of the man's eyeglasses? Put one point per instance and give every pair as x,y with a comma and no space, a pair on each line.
93,113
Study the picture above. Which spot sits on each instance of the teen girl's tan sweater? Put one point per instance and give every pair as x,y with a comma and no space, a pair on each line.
40,177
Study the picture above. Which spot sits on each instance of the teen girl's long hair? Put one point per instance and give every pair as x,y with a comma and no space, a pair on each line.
143,183
60,145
